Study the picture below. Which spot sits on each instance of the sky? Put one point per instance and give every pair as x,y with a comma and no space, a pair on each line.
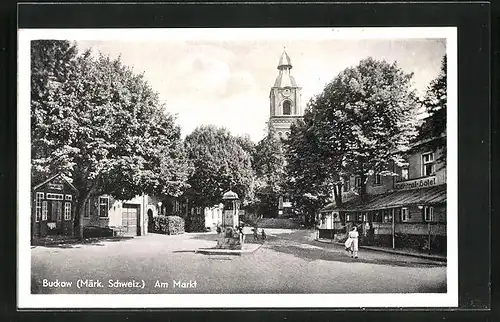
226,80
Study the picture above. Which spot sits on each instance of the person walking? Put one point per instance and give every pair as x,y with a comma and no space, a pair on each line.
242,235
353,235
348,244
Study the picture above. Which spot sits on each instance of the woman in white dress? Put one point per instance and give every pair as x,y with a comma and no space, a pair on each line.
353,236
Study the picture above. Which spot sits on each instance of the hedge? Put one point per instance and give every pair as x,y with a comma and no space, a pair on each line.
93,231
195,223
170,225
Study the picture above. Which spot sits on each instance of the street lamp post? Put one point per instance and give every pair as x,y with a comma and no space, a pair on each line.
159,208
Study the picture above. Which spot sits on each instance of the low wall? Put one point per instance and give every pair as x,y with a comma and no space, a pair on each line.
407,235
330,233
382,228
410,228
417,242
421,229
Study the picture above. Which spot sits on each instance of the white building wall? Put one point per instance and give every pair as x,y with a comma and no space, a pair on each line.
115,213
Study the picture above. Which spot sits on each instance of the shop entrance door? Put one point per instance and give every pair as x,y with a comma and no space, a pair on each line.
54,222
130,214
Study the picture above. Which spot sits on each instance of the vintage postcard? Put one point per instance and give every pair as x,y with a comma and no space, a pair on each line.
237,168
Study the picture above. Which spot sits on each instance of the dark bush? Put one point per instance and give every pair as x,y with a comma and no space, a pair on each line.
94,231
195,223
170,225
278,223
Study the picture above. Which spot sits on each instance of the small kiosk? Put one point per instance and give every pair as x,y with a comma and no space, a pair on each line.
52,207
231,206
230,236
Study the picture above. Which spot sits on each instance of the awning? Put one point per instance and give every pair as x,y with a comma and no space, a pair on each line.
394,199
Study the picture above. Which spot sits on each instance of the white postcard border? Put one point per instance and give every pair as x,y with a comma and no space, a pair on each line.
26,300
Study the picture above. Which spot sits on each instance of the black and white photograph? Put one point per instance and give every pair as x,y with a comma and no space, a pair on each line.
245,167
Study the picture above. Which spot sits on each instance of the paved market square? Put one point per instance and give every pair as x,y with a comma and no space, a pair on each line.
290,261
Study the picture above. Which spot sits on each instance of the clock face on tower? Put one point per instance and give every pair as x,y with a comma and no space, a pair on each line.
286,92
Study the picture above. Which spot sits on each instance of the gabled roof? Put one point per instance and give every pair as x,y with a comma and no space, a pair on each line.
347,198
60,174
426,140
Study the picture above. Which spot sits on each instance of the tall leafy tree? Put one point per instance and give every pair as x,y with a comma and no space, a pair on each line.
249,147
269,165
435,101
362,122
103,125
52,63
308,176
433,127
220,163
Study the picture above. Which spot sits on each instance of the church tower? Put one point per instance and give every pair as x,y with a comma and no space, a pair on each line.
284,98
285,109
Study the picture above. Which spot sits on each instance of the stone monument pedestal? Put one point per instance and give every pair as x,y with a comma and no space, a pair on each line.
229,239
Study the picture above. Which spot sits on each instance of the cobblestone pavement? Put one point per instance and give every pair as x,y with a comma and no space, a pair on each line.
290,261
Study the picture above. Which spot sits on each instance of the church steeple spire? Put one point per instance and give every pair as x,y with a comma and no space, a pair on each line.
284,78
285,61
285,98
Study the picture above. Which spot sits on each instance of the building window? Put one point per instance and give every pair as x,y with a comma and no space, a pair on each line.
38,206
347,185
378,179
357,182
103,206
387,215
427,164
404,214
67,211
44,210
287,108
404,174
86,213
428,213
55,196
68,197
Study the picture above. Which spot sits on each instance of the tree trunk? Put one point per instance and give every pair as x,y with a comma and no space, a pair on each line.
78,221
337,193
84,196
362,190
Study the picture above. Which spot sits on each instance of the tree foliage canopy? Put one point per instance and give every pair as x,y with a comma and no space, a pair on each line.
363,121
221,162
95,119
435,102
307,174
269,165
